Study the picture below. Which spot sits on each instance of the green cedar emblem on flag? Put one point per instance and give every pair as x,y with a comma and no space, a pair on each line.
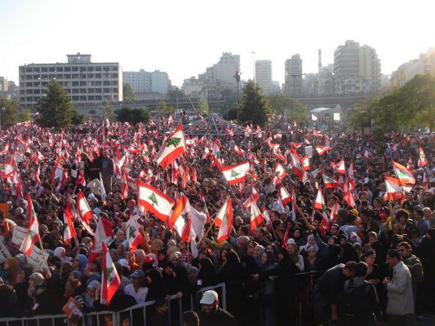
109,271
185,217
153,198
234,174
173,141
131,231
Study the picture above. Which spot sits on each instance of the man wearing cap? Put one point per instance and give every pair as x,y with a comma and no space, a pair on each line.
211,314
136,288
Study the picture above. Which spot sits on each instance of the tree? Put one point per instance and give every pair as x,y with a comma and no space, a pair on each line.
24,115
77,118
8,116
289,107
133,116
163,108
173,95
254,106
55,108
202,106
128,93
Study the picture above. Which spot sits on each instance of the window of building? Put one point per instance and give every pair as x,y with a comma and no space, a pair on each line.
106,83
98,98
44,69
75,68
52,69
91,75
67,68
60,69
29,99
75,91
91,68
98,68
114,75
75,76
98,76
75,98
83,83
106,90
91,98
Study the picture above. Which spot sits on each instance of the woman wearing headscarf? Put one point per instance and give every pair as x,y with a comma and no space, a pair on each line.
267,290
349,253
293,252
42,302
258,253
251,290
285,286
331,259
89,296
154,283
207,274
80,263
232,275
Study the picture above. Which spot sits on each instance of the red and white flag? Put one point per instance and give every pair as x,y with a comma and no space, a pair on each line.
32,235
83,208
238,150
330,183
339,167
334,212
404,175
306,163
319,203
279,173
236,173
224,220
181,219
69,232
285,196
256,217
348,195
394,190
103,234
111,280
322,149
297,168
152,199
172,148
422,161
133,235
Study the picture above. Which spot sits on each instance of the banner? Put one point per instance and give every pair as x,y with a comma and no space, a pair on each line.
36,259
4,251
18,235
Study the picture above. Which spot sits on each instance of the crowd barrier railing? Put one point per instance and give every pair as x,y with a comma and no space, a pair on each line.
138,314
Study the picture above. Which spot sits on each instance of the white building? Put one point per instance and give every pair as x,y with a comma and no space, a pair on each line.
293,76
407,71
143,81
263,75
357,69
83,80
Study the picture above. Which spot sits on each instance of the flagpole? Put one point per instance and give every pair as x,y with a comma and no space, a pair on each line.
43,255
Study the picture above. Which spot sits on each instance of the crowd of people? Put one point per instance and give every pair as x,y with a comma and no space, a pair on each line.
359,258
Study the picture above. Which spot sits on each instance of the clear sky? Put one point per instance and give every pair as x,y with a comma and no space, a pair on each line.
184,37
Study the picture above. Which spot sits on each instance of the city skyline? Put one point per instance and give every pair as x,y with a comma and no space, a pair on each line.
166,47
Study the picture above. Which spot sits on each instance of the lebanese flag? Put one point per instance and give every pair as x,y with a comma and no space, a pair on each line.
322,149
351,176
285,196
280,157
279,173
306,163
296,145
394,190
172,148
124,190
70,231
83,208
348,195
238,150
319,203
339,167
236,173
266,216
224,220
404,175
334,212
297,168
32,235
133,236
154,200
256,217
181,219
103,234
111,280
330,183
190,142
422,161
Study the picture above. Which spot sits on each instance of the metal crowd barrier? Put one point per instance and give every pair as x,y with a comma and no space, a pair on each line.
138,314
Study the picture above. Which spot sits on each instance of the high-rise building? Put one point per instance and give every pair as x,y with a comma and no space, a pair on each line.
407,71
143,81
83,80
357,69
293,76
263,75
3,85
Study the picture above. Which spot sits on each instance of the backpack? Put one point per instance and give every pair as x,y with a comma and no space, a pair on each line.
354,304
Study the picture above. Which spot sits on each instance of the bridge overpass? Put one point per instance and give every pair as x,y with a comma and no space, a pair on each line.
345,102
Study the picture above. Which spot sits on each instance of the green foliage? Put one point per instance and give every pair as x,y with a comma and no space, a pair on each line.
8,116
128,93
24,115
133,116
202,106
76,118
289,107
254,106
55,108
410,106
163,108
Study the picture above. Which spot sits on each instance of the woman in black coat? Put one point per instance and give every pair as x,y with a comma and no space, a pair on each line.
232,274
207,274
285,288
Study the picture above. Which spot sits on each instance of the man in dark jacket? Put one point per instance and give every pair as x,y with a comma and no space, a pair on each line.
327,290
211,314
